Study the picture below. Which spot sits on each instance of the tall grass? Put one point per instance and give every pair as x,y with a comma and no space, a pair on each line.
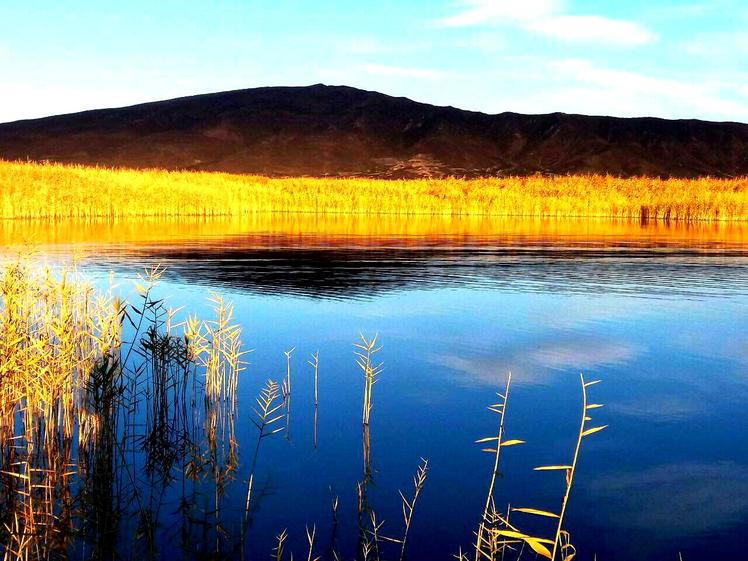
267,417
54,332
68,191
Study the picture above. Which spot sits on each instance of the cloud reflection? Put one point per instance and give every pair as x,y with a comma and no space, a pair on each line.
660,407
677,500
539,364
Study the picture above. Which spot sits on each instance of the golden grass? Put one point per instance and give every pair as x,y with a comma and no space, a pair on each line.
54,331
68,400
64,191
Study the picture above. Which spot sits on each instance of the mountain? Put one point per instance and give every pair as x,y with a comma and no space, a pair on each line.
336,130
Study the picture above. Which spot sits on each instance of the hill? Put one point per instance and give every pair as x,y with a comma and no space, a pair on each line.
336,130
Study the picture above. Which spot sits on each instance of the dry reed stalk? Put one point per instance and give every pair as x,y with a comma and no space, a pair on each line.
409,506
267,415
286,391
371,370
561,546
215,345
314,363
499,443
51,331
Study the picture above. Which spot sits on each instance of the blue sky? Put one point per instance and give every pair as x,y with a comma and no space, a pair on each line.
629,58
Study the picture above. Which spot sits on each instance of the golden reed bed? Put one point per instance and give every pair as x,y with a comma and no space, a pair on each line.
33,190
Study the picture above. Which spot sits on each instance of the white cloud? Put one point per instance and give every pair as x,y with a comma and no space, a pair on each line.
582,354
533,85
24,101
484,42
718,45
547,17
497,11
670,12
587,72
404,72
641,91
595,29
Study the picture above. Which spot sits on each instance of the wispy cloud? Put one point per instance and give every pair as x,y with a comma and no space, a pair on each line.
642,90
540,364
660,407
669,12
483,42
718,44
477,12
594,29
548,17
405,72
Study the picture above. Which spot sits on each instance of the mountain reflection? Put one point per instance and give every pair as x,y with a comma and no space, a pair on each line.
330,256
368,272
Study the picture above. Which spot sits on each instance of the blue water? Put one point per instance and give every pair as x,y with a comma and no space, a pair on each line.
665,331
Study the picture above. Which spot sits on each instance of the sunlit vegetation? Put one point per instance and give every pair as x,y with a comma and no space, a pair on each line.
497,537
65,191
114,417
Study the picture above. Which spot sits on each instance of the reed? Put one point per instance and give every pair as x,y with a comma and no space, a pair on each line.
286,390
501,534
69,191
310,542
371,370
266,420
490,518
216,346
53,332
314,363
280,544
94,387
409,505
80,407
561,541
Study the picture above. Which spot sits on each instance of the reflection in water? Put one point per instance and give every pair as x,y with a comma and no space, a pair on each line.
656,310
539,364
366,273
715,495
360,257
329,230
678,506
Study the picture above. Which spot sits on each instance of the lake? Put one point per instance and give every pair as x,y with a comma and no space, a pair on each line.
658,312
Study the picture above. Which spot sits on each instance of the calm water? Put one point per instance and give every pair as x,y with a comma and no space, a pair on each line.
658,313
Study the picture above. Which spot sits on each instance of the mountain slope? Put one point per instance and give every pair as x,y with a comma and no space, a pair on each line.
336,130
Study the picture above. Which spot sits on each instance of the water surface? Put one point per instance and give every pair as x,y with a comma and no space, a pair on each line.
658,312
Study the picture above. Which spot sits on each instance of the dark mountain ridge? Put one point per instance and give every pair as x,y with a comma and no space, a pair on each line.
336,130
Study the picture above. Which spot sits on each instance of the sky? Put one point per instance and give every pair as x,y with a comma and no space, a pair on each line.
659,58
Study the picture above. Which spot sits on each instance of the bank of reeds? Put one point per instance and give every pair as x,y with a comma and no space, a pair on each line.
117,435
33,190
